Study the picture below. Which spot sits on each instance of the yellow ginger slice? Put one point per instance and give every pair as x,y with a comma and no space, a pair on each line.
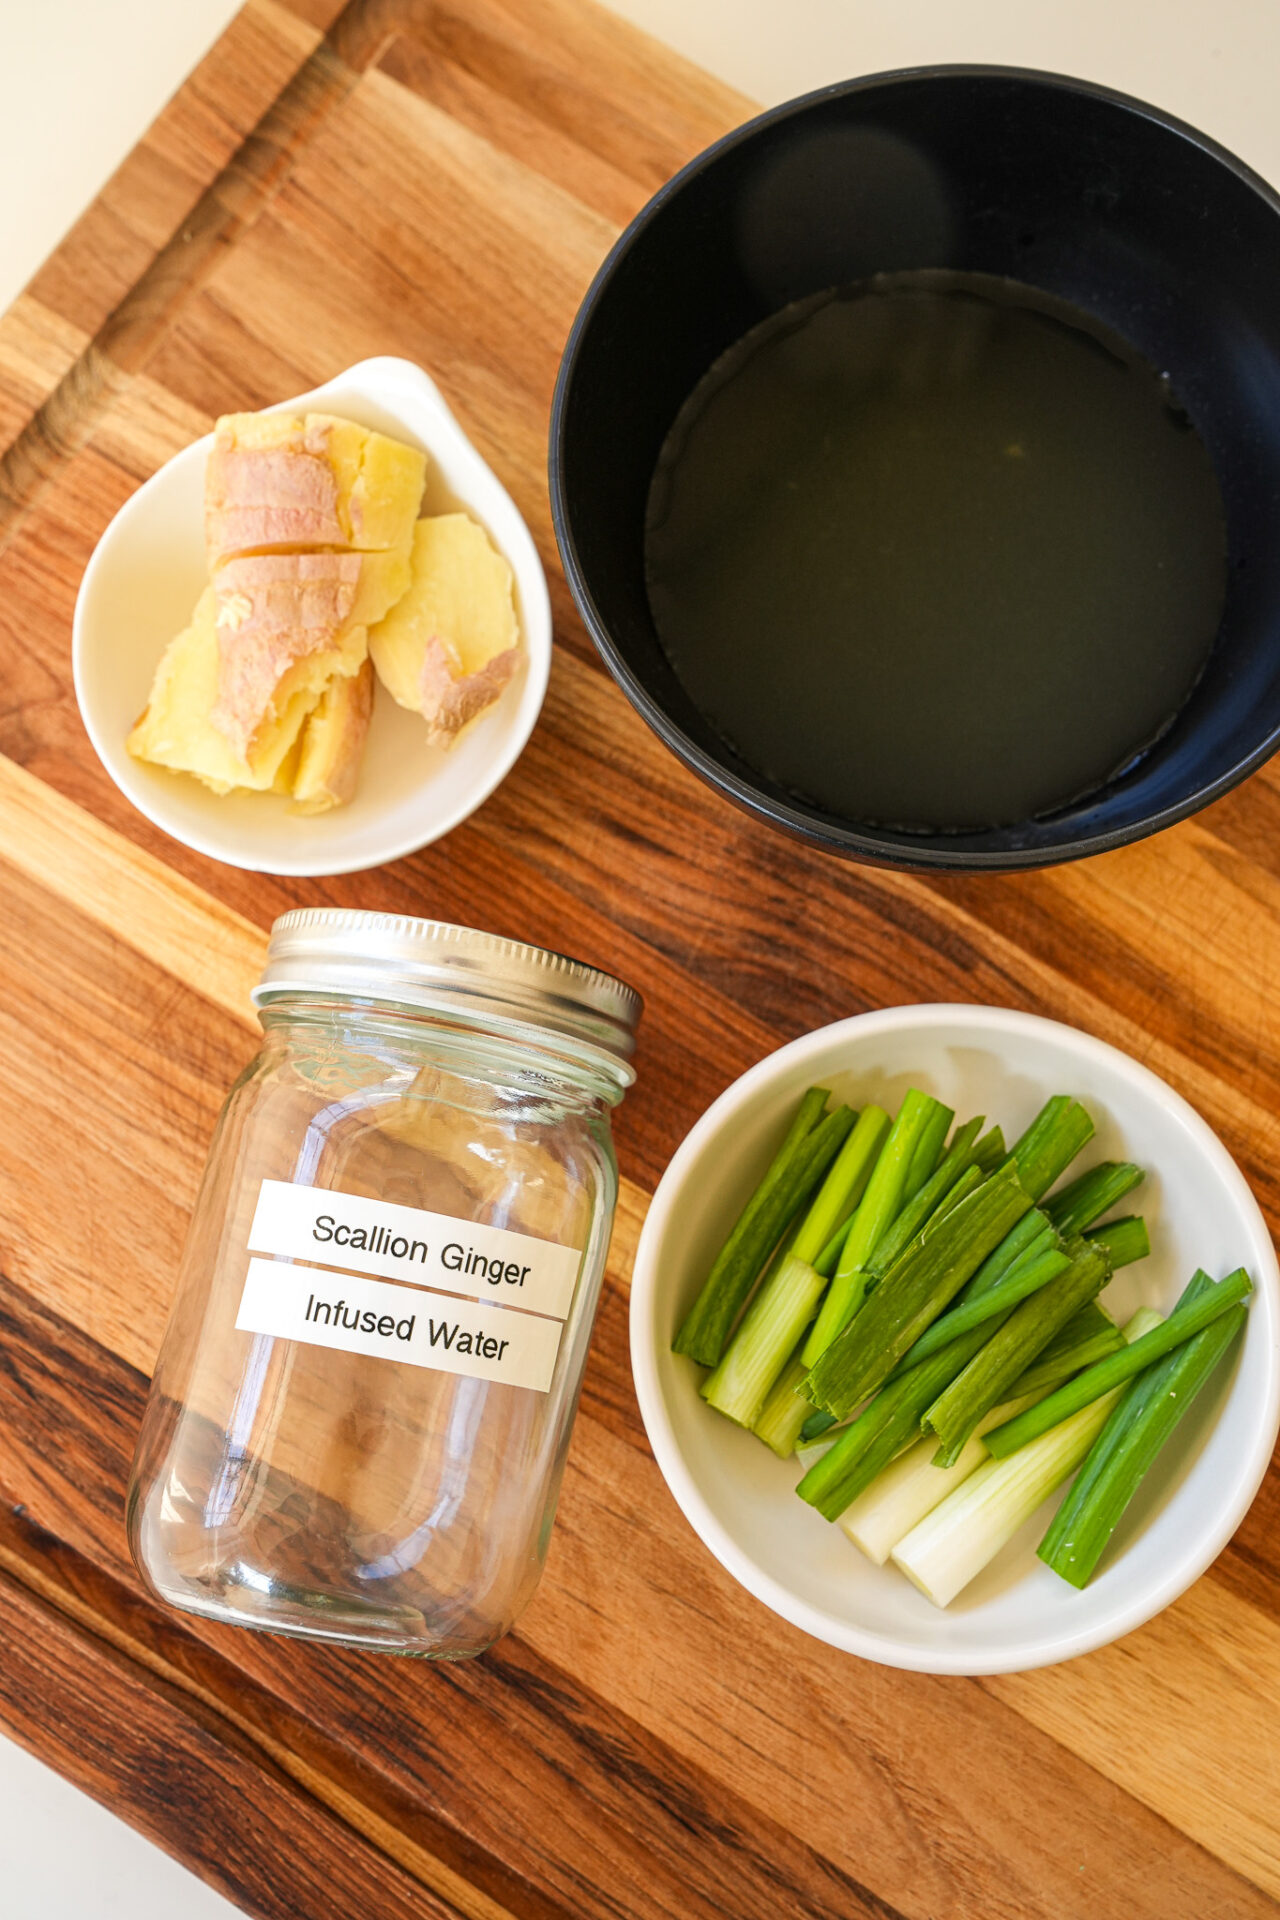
449,647
176,731
287,771
277,482
331,744
287,622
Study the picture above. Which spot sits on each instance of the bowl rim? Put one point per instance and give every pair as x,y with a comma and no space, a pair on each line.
384,380
1124,1616
862,843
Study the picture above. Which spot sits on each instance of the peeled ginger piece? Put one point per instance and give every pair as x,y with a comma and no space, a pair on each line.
331,744
176,729
449,647
288,621
277,482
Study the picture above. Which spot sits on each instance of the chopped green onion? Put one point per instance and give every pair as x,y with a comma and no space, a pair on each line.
885,1425
844,1185
1033,1229
1090,1334
756,1232
765,1336
959,1157
1138,1426
1124,1240
963,1534
928,1153
880,1204
785,1410
772,1325
1027,1276
1087,1198
1010,1350
817,1424
913,1293
1185,1320
910,1487
1051,1143
990,1151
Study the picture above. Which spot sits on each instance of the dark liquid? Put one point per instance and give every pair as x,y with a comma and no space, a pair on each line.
936,553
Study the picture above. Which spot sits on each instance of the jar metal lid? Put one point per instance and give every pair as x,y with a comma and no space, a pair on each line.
476,977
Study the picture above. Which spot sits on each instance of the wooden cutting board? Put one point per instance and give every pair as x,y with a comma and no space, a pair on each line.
439,178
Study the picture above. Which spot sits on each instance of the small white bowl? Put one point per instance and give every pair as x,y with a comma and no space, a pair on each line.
145,576
740,1499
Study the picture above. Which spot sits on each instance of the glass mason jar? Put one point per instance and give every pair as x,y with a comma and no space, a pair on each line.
361,1410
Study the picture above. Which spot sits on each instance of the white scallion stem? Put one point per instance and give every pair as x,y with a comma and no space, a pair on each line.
911,1487
964,1533
785,1411
759,1351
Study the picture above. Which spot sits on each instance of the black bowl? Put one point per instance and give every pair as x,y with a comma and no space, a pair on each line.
1092,196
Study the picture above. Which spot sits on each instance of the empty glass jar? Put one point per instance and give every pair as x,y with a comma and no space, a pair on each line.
362,1406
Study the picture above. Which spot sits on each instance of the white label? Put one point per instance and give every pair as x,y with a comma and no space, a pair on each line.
398,1323
406,1243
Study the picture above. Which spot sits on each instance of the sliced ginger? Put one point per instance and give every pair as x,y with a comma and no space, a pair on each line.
449,647
280,482
288,621
331,744
321,570
177,730
309,522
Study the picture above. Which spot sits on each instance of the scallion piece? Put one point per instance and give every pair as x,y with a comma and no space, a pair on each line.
1033,1230
963,1534
929,1150
885,1425
1027,1276
1010,1350
844,1186
1124,1240
757,1230
990,1151
1090,1334
960,1156
771,1326
910,1487
969,1182
786,1302
785,1410
1051,1143
1186,1320
880,1205
913,1293
1087,1198
1138,1426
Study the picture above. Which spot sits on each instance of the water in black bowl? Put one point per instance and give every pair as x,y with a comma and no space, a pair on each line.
938,552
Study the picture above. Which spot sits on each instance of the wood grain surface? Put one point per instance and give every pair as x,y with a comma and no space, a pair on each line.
439,178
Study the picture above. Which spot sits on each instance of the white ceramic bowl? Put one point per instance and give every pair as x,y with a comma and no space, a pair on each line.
145,576
738,1496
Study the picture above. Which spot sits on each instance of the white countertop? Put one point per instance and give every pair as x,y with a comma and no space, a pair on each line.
63,1857
81,80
